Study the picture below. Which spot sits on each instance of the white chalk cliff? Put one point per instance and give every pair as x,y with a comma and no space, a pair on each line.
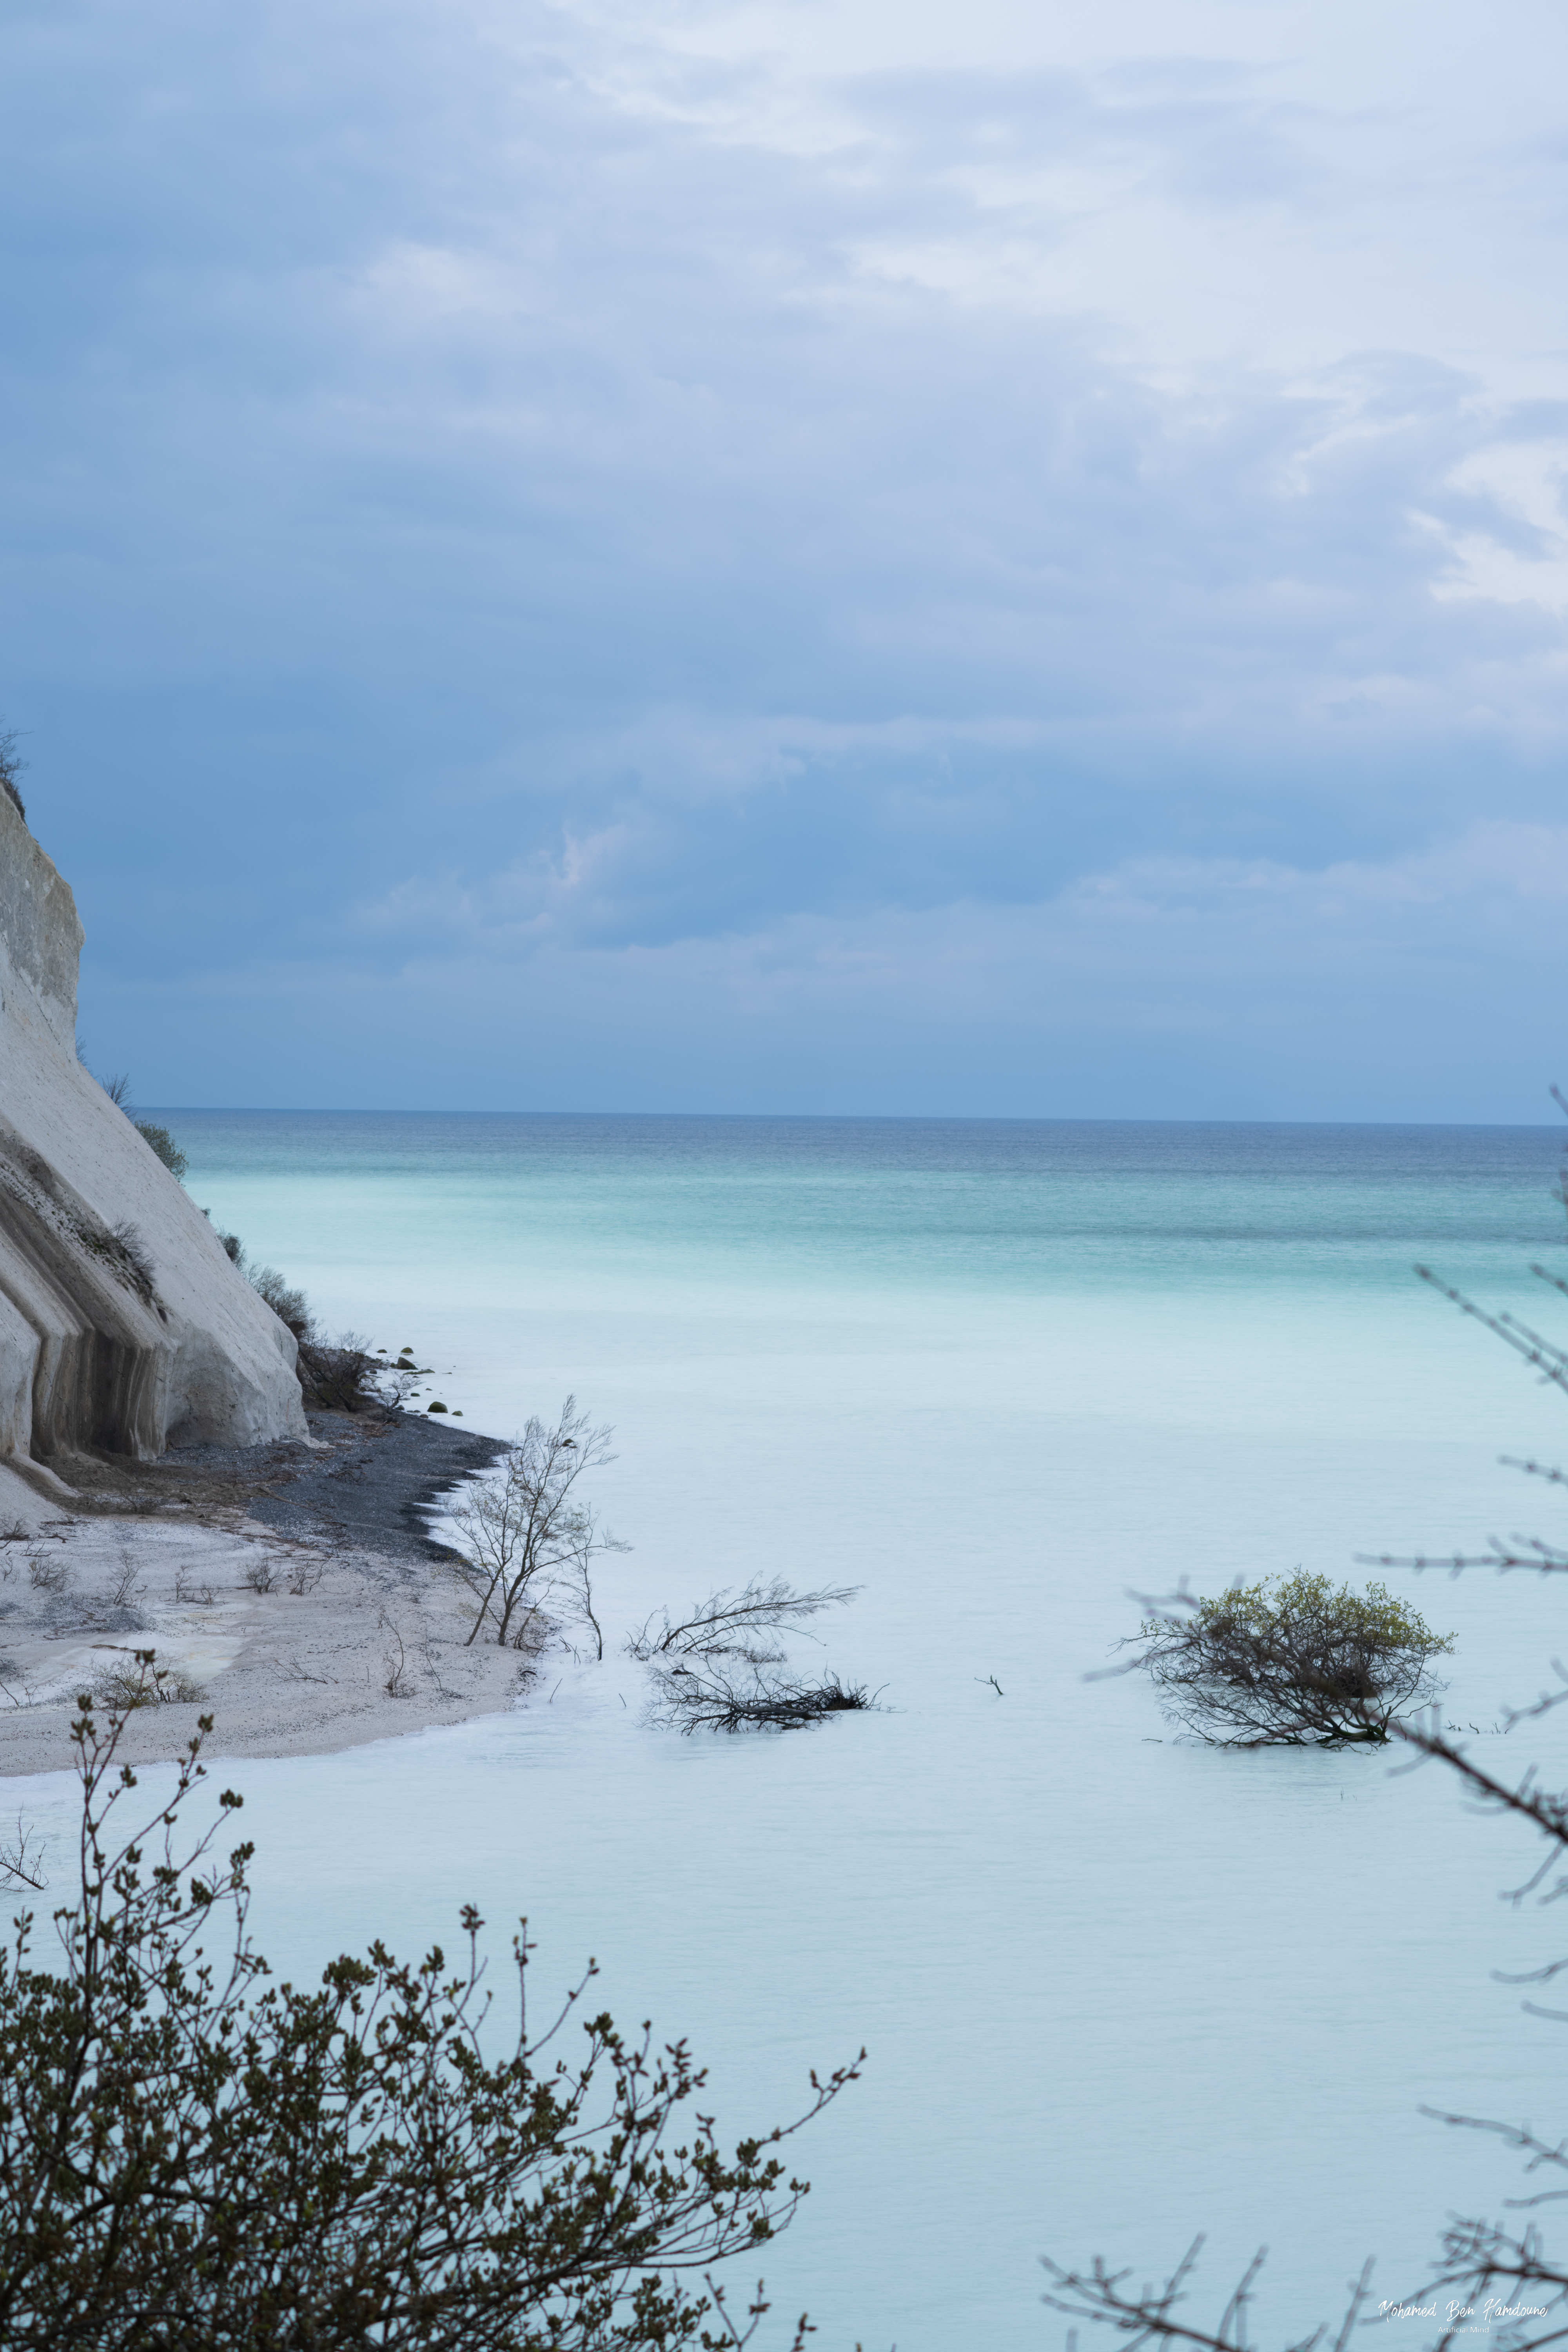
123,1326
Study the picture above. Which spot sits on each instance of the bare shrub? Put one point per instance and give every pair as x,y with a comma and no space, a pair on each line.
125,1591
304,1576
298,1672
141,1682
262,1575
524,1539
531,1632
48,1574
134,1250
289,1304
22,1858
1289,1663
187,1591
397,1684
396,1384
715,1698
120,1249
339,1380
727,1623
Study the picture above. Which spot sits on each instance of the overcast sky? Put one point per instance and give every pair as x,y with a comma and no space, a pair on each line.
880,555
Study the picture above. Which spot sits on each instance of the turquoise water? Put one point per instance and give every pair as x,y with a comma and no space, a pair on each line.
974,1206
1003,1377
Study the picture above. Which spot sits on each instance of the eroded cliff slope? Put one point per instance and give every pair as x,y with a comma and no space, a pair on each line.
123,1326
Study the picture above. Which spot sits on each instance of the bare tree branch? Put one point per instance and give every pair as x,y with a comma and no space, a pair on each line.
22,1858
715,1698
727,1622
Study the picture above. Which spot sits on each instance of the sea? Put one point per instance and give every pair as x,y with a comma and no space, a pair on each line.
1008,1379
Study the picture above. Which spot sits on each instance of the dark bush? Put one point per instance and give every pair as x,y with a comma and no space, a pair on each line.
11,766
195,2158
1290,1663
124,1249
288,1304
337,1379
164,1145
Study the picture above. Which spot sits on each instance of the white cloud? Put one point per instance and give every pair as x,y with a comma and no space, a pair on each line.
1158,988
1007,527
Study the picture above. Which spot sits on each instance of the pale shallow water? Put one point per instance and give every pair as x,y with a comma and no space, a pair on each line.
1115,1990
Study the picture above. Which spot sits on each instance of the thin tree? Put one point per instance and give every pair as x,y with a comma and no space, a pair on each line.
526,1537
197,2158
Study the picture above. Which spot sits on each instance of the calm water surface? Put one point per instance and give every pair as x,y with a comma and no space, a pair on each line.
1002,1376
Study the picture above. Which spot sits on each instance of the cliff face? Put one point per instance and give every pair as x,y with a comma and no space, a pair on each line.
123,1326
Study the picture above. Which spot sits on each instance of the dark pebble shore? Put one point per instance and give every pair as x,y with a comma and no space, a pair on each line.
375,1490
380,1485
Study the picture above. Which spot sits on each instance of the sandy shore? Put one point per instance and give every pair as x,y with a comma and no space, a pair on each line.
289,1591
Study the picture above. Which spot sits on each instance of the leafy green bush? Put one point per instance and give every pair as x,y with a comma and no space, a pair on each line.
193,2155
1291,1662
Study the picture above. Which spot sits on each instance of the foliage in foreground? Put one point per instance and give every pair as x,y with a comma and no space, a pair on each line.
194,2155
1291,1662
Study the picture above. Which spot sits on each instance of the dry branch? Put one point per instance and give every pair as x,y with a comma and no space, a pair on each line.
714,1699
728,1622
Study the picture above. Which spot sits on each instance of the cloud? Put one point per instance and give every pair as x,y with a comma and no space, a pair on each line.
503,489
1160,987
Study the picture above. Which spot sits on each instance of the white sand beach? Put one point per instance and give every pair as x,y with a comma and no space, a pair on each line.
298,1638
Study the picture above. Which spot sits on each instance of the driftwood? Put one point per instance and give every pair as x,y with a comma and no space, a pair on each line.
727,1624
716,1698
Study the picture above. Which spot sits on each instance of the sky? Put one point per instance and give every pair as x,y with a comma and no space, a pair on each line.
839,556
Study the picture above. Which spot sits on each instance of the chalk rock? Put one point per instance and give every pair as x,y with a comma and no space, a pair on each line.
124,1326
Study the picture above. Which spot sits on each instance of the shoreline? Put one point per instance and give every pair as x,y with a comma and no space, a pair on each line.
294,1590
